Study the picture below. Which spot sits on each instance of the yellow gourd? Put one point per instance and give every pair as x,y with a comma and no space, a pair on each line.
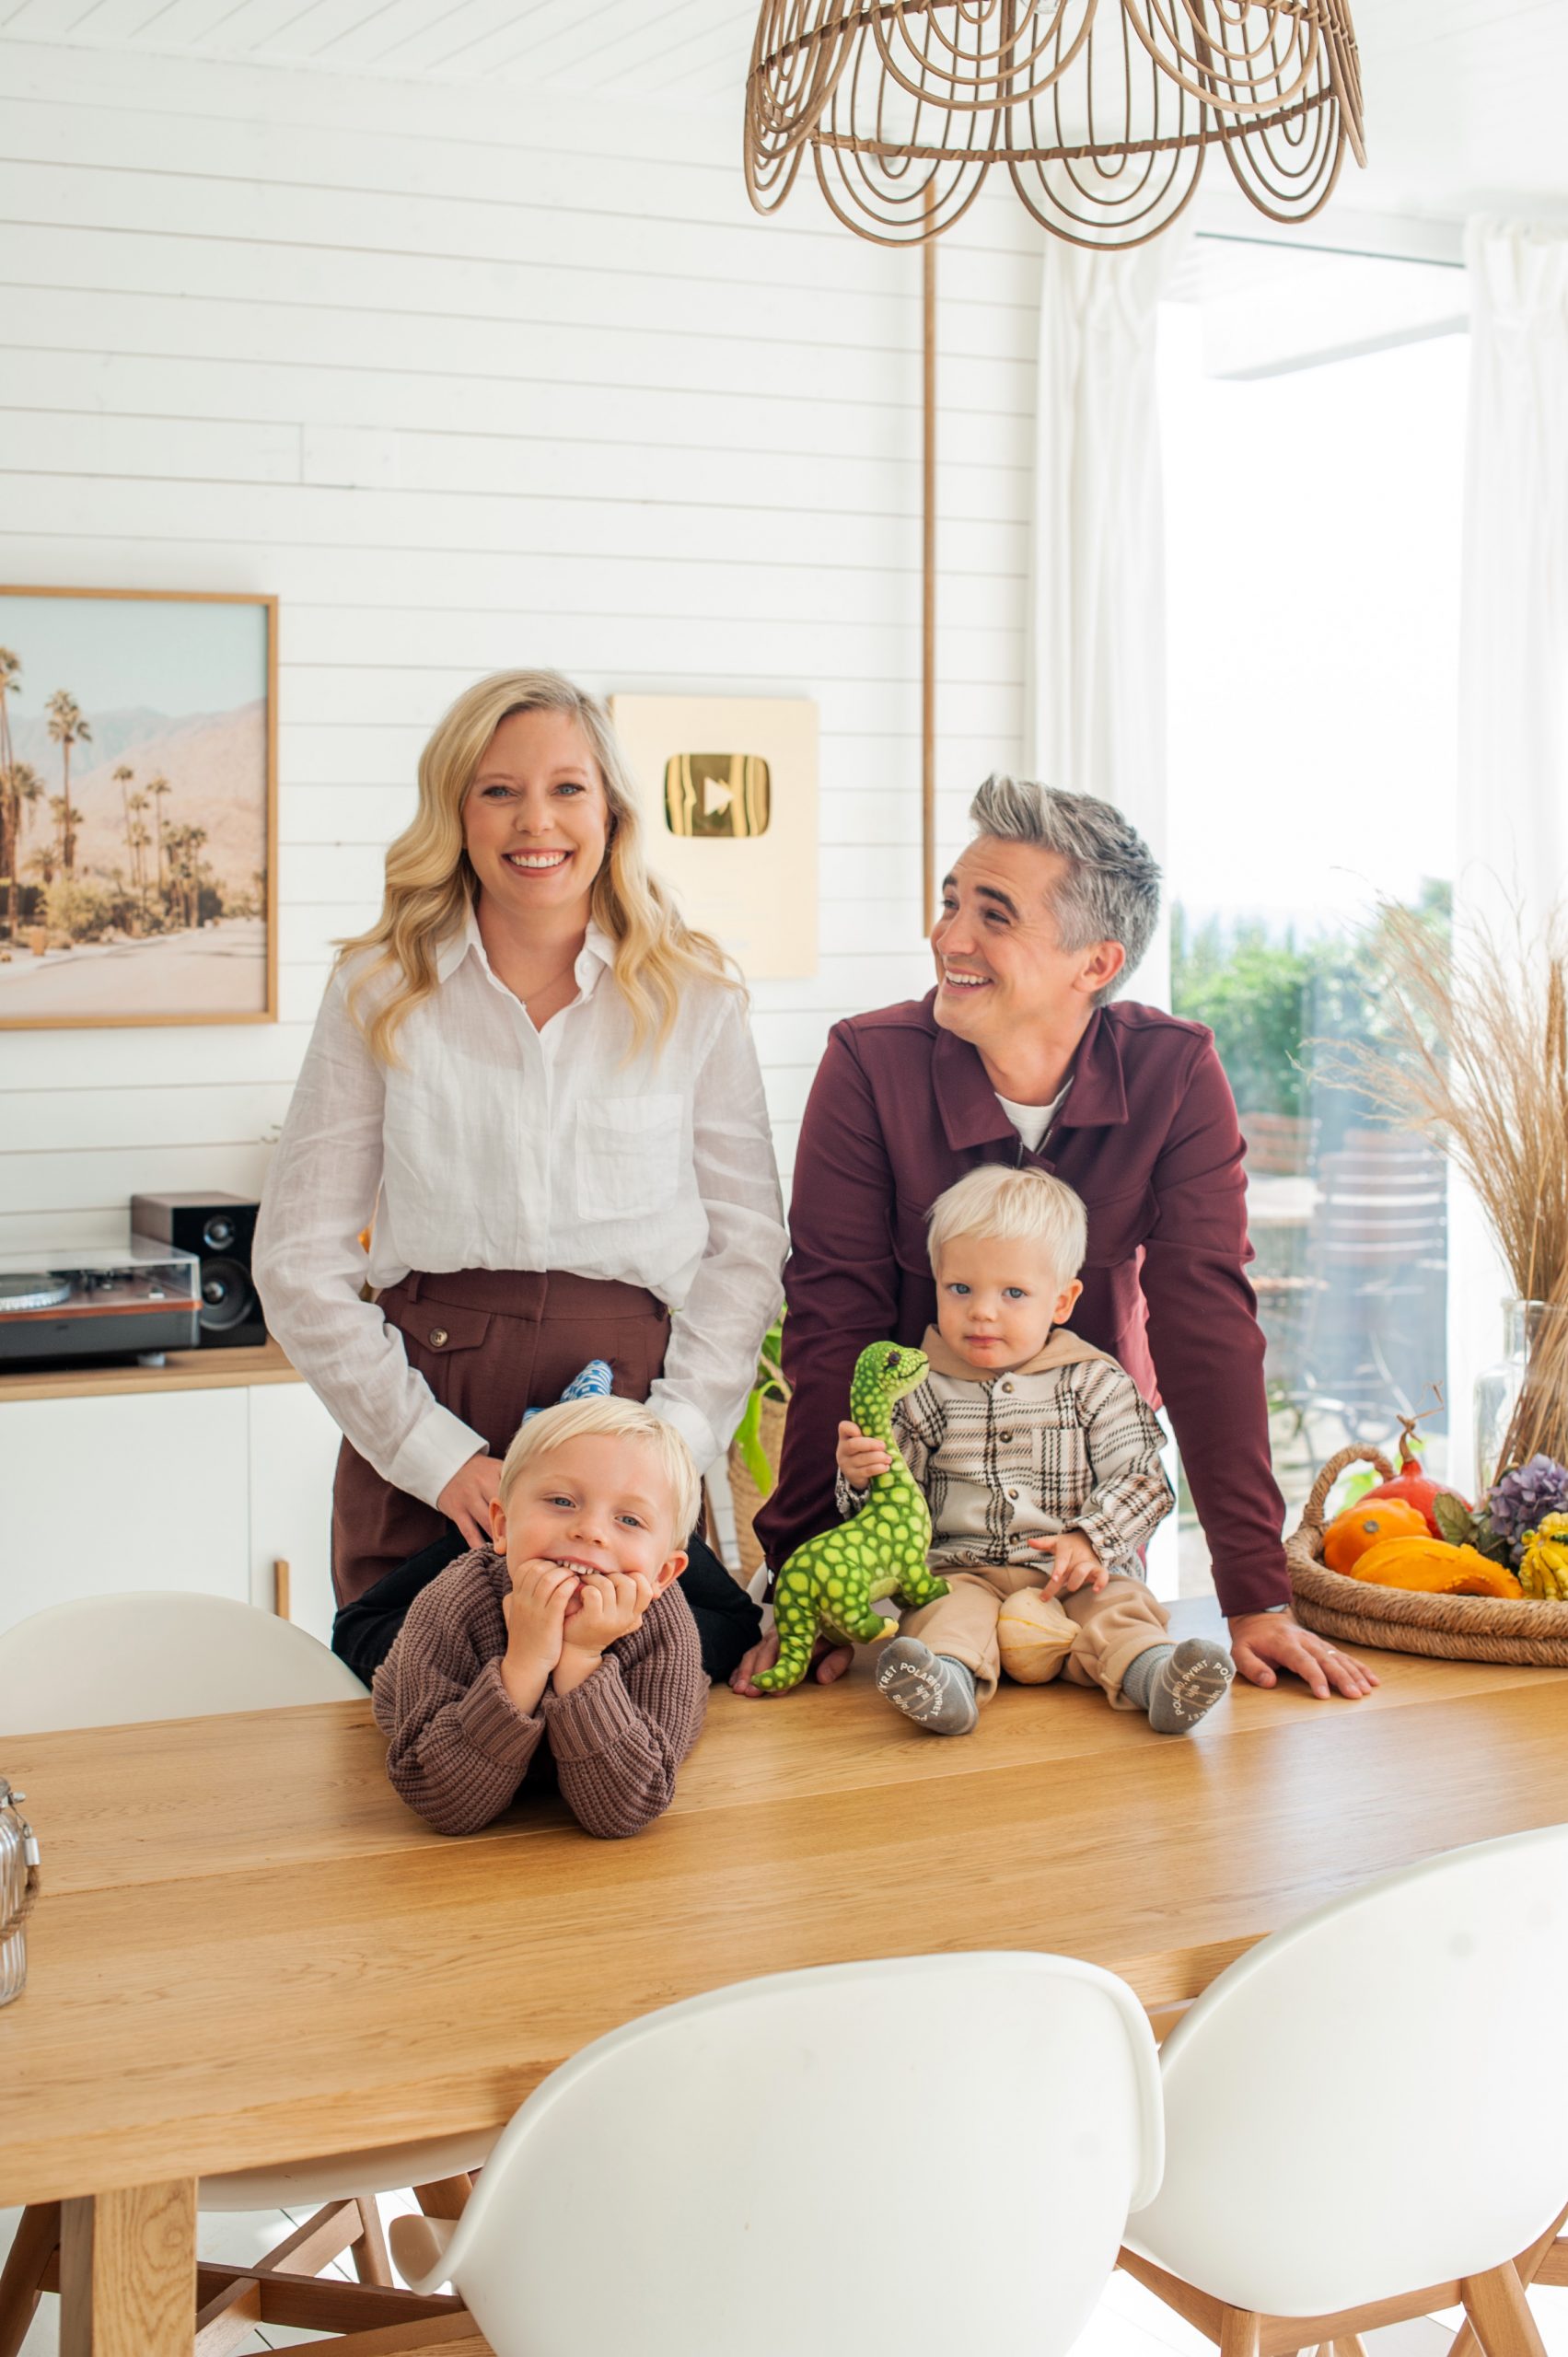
1544,1571
1434,1568
1034,1636
1360,1527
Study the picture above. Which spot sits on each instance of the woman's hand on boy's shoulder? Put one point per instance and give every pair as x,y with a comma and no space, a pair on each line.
467,1497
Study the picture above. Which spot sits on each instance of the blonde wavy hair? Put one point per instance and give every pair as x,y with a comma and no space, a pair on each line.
431,883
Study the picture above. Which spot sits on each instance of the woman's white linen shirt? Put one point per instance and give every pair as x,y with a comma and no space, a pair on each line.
489,1145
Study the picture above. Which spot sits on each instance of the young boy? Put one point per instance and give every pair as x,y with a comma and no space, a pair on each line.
570,1633
1041,1464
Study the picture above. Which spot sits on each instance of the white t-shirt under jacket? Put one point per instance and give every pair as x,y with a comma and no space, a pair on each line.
489,1145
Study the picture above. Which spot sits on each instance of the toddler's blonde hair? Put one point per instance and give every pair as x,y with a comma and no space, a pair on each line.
1016,1206
616,1420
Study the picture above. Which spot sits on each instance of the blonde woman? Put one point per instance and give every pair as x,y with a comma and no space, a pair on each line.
538,1087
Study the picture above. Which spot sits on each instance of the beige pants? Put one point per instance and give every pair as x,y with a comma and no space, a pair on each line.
1101,1637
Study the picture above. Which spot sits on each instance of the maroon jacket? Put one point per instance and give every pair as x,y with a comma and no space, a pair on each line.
1148,1136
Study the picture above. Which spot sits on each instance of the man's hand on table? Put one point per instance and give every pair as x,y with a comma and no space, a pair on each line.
1262,1644
827,1663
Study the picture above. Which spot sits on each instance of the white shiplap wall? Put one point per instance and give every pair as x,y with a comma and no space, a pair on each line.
472,379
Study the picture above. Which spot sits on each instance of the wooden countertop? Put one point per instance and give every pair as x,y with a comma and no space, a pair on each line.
247,1948
213,1370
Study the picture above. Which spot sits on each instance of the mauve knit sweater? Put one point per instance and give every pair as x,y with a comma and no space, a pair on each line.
459,1747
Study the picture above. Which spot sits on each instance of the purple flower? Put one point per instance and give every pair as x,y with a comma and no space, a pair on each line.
1517,1501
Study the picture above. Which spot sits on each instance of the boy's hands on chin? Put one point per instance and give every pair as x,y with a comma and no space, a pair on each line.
1074,1564
535,1614
1262,1644
608,1605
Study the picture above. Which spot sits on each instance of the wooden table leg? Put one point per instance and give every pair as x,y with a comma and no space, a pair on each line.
128,2272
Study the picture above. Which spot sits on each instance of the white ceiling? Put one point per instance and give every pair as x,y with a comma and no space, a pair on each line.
1465,99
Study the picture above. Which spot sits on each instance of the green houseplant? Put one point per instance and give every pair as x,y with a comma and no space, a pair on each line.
754,1451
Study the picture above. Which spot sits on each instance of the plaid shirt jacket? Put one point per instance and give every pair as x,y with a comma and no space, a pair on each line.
1066,1441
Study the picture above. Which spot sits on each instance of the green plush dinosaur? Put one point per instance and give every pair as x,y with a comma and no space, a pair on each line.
834,1582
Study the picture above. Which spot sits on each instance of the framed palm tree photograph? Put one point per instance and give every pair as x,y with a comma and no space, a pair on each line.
138,808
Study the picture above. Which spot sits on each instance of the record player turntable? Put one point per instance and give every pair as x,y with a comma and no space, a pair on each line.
132,1300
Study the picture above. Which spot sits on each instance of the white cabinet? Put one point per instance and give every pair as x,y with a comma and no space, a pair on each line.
294,1452
139,1489
203,1488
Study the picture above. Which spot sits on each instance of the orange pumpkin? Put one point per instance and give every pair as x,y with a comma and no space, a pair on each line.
1433,1567
1362,1526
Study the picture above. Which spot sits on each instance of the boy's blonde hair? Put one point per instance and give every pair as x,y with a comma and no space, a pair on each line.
1013,1205
616,1420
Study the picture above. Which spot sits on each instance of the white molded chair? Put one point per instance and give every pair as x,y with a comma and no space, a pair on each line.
1363,2119
934,2153
103,1660
166,1653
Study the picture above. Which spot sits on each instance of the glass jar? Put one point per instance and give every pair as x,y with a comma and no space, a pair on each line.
18,1889
1535,1351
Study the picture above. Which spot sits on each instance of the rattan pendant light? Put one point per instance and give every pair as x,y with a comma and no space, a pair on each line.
1101,111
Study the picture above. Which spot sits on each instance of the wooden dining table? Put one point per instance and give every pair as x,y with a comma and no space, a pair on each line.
249,1951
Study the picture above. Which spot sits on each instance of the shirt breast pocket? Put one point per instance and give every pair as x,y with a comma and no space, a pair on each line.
1059,1458
628,1158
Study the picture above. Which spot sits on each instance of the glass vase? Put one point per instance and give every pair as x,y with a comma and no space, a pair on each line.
1521,1402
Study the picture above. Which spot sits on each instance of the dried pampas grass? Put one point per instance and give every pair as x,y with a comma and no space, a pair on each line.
1476,1061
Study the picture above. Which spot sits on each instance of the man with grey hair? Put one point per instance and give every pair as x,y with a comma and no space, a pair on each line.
1022,1055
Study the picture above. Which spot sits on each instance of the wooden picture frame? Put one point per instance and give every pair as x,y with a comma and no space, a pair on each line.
114,868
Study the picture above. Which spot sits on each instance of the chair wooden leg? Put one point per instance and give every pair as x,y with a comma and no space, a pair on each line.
456,2336
447,2197
1553,2268
1497,2309
1240,2332
229,2318
371,2263
1542,2262
325,2236
21,2278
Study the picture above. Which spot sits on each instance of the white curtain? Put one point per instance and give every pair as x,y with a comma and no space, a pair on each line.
1514,632
1513,770
1094,716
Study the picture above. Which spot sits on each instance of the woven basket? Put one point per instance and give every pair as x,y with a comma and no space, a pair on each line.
744,1493
1453,1627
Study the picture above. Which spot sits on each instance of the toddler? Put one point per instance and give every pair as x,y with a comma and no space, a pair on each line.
570,1633
1040,1463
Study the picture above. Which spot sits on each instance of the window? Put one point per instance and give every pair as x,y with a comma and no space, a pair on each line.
1312,418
